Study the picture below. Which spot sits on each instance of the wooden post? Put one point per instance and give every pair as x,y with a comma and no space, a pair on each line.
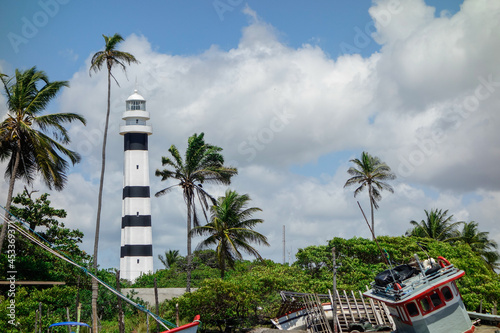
157,308
78,312
40,317
36,321
177,321
77,301
67,317
121,324
334,301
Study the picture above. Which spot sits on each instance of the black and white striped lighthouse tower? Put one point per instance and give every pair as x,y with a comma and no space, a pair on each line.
136,255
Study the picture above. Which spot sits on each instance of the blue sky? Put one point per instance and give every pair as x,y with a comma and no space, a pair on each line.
292,90
56,35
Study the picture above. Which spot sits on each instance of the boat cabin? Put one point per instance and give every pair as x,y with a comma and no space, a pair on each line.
424,300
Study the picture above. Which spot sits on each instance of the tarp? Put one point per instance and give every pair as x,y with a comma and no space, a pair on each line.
398,274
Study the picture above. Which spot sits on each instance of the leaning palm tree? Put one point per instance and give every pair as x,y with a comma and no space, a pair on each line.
203,163
480,243
33,142
371,173
437,225
230,230
110,58
170,258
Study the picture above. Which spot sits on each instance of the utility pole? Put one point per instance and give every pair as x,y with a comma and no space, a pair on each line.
284,245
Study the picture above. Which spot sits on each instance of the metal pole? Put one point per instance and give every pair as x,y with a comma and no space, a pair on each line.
284,256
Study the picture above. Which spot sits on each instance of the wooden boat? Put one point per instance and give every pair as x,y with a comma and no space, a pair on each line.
297,319
423,298
188,328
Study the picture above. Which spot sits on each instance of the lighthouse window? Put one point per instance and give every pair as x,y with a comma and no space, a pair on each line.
448,295
412,309
137,166
137,214
137,260
136,105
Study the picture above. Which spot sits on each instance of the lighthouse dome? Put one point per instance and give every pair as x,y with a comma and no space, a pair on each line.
135,97
136,102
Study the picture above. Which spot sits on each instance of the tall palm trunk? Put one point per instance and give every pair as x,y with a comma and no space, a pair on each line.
9,195
189,256
222,265
95,286
372,210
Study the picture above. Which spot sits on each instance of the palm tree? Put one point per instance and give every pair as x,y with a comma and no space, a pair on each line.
371,173
203,163
170,258
230,229
480,243
32,142
110,57
437,225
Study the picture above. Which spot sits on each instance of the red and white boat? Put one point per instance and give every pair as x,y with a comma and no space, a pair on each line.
188,328
423,299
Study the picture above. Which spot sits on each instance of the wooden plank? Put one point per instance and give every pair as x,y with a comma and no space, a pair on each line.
375,311
364,306
356,305
388,314
341,307
41,283
349,306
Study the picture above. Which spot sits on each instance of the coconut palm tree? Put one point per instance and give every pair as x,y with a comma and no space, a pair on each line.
170,258
437,225
203,163
230,229
480,243
110,58
32,142
371,173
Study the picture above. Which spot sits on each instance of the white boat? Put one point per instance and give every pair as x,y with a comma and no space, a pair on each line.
296,318
423,299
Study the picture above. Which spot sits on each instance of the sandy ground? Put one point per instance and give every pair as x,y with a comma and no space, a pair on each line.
487,329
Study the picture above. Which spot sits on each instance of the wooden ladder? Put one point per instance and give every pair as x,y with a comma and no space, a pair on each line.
316,317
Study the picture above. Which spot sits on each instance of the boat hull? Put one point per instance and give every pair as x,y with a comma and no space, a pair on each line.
297,320
188,328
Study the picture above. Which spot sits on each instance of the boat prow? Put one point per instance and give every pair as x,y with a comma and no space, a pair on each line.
187,328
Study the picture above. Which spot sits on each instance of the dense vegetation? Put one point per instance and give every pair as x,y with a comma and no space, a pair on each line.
249,294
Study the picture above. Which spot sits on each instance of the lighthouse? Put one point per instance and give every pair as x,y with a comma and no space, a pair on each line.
136,253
